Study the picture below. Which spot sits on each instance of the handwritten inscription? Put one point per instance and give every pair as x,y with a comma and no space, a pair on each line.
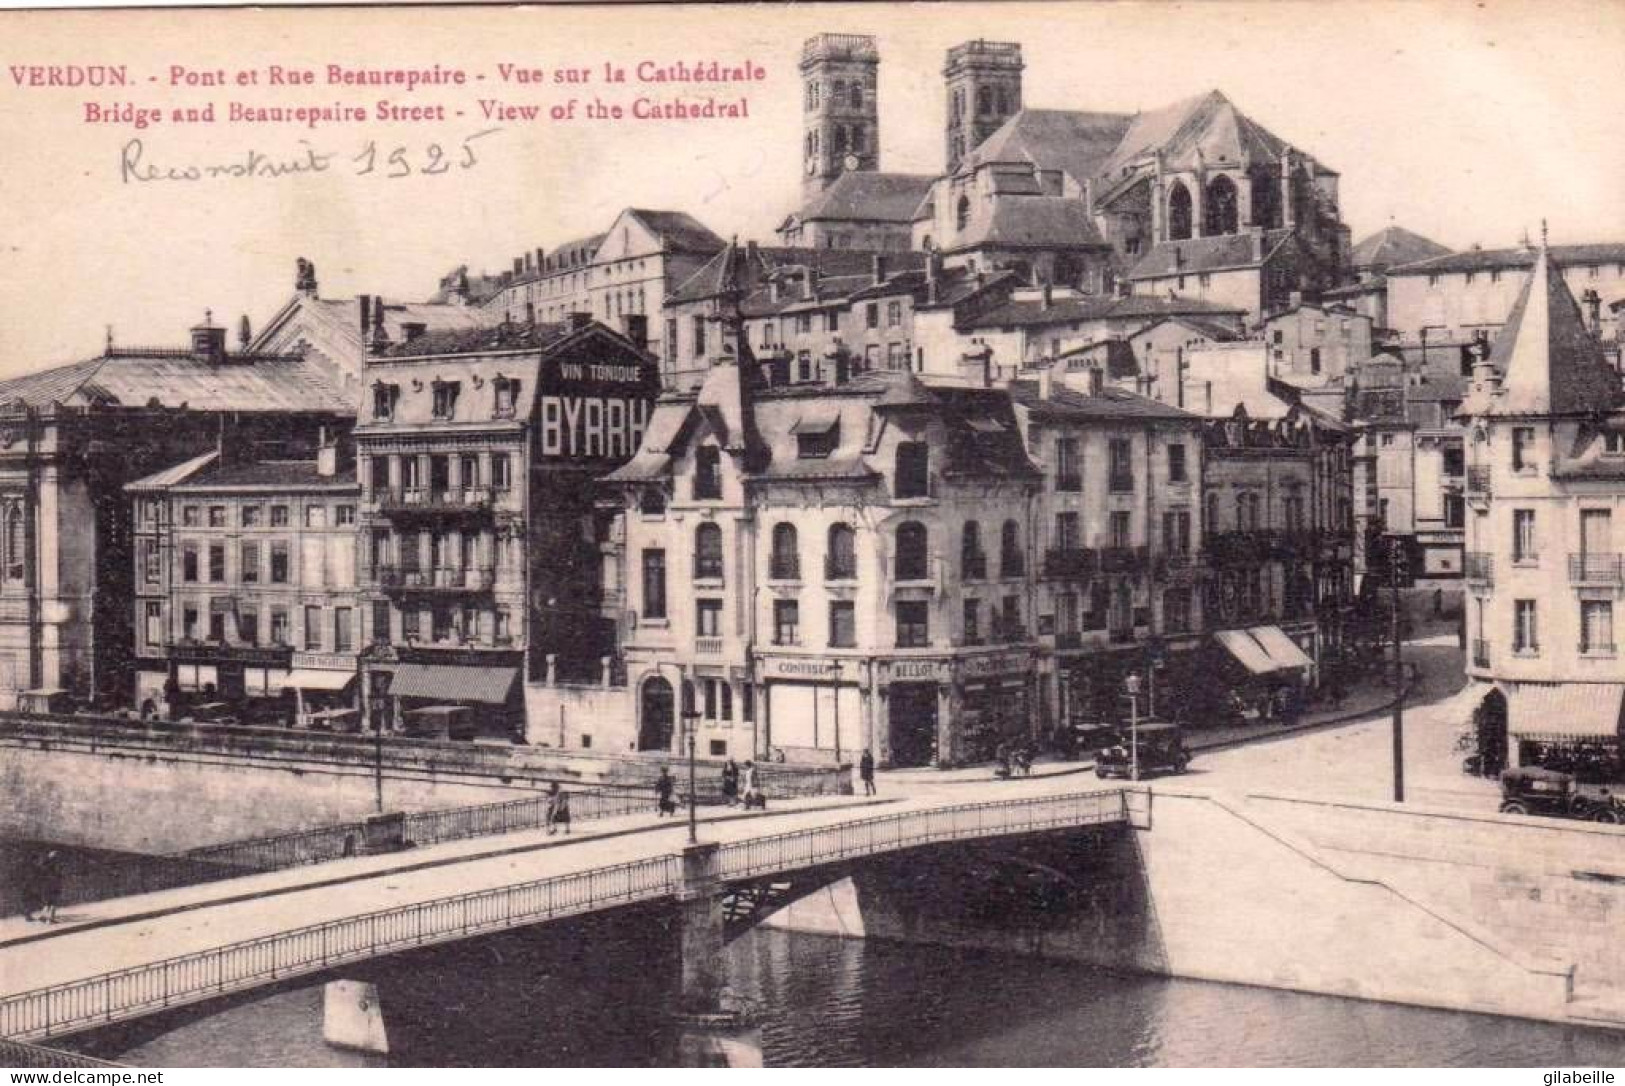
388,161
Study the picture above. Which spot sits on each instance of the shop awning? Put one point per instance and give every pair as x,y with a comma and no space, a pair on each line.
1567,709
1249,653
1282,649
451,682
309,678
1263,650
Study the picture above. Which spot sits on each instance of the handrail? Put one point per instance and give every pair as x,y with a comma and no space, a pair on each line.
188,978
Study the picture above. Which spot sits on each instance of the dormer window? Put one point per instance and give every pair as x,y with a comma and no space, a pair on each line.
507,396
1613,443
817,438
384,398
445,398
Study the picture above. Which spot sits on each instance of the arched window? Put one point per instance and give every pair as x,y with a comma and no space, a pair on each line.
984,101
1212,515
913,561
837,91
708,552
1219,210
913,470
972,560
1179,212
656,715
13,558
1122,616
856,96
785,563
841,561
962,216
1011,563
1266,209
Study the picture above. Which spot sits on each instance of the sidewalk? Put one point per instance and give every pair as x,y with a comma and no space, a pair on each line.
1364,700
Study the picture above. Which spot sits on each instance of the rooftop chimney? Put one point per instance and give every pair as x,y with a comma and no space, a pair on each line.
1593,307
305,278
366,315
209,342
245,332
380,335
518,266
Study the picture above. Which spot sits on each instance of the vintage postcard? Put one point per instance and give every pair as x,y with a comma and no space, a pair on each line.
947,534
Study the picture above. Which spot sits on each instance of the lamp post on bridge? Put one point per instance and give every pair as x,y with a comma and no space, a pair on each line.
1131,686
691,727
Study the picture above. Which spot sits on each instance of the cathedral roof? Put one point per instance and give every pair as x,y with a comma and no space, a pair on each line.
1394,245
1550,364
1035,221
869,196
1192,256
1072,141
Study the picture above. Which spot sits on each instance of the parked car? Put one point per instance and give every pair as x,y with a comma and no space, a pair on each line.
1161,748
1531,790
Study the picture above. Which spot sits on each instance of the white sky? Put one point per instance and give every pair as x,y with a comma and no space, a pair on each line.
1464,122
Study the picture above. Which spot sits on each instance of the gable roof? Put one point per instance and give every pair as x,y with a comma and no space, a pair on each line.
1033,312
1036,221
1394,245
1562,256
680,231
869,196
1549,363
1109,404
1192,256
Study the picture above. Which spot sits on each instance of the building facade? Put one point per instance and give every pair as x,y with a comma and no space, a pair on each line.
246,589
1546,471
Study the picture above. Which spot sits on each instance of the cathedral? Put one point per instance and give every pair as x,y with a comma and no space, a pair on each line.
1195,198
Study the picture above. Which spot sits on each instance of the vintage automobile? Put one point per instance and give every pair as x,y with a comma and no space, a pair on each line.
1531,790
1161,748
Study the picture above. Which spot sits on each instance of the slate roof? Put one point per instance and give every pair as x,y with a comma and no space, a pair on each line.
139,377
1073,141
1193,256
748,265
680,231
868,196
1394,245
514,336
206,472
1111,403
1487,259
1550,364
1037,221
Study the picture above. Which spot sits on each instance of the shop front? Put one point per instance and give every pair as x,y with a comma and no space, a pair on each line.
244,682
443,694
1270,671
323,686
814,709
936,711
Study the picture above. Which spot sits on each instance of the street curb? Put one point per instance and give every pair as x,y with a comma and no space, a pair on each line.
130,918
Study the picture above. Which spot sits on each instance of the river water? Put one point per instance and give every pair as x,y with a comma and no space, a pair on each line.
826,1001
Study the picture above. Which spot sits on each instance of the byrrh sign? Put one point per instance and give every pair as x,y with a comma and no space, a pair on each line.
595,401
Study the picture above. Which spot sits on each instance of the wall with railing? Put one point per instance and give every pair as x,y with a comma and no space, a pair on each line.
190,978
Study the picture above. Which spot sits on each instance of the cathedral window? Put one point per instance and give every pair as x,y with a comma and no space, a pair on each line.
1179,212
984,101
1220,210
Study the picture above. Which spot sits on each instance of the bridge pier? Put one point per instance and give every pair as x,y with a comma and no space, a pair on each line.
699,932
353,1017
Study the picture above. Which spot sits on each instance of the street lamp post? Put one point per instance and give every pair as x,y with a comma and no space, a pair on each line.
1132,686
691,720
836,669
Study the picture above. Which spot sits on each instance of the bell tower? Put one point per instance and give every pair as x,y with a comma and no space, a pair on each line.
984,91
840,108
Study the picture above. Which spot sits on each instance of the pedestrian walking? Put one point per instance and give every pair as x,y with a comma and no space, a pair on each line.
664,786
558,809
730,782
47,885
753,788
866,773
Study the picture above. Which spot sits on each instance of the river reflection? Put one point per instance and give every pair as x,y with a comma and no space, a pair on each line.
844,1002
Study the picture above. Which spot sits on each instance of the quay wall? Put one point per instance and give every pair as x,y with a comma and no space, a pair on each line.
1291,894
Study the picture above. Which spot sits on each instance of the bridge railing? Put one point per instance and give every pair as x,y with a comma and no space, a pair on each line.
187,978
887,833
20,1054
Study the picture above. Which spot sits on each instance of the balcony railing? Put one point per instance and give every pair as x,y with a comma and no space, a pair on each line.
707,568
784,567
1478,481
1069,640
1123,559
1596,568
1071,562
443,500
1481,653
1012,565
1479,566
973,567
708,646
1121,483
450,579
840,567
1070,482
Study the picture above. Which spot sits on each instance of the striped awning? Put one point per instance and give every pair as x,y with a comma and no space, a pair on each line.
452,682
310,678
1263,649
1572,710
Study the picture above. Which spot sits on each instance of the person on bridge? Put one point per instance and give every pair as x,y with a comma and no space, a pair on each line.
558,809
730,782
664,786
866,773
45,890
